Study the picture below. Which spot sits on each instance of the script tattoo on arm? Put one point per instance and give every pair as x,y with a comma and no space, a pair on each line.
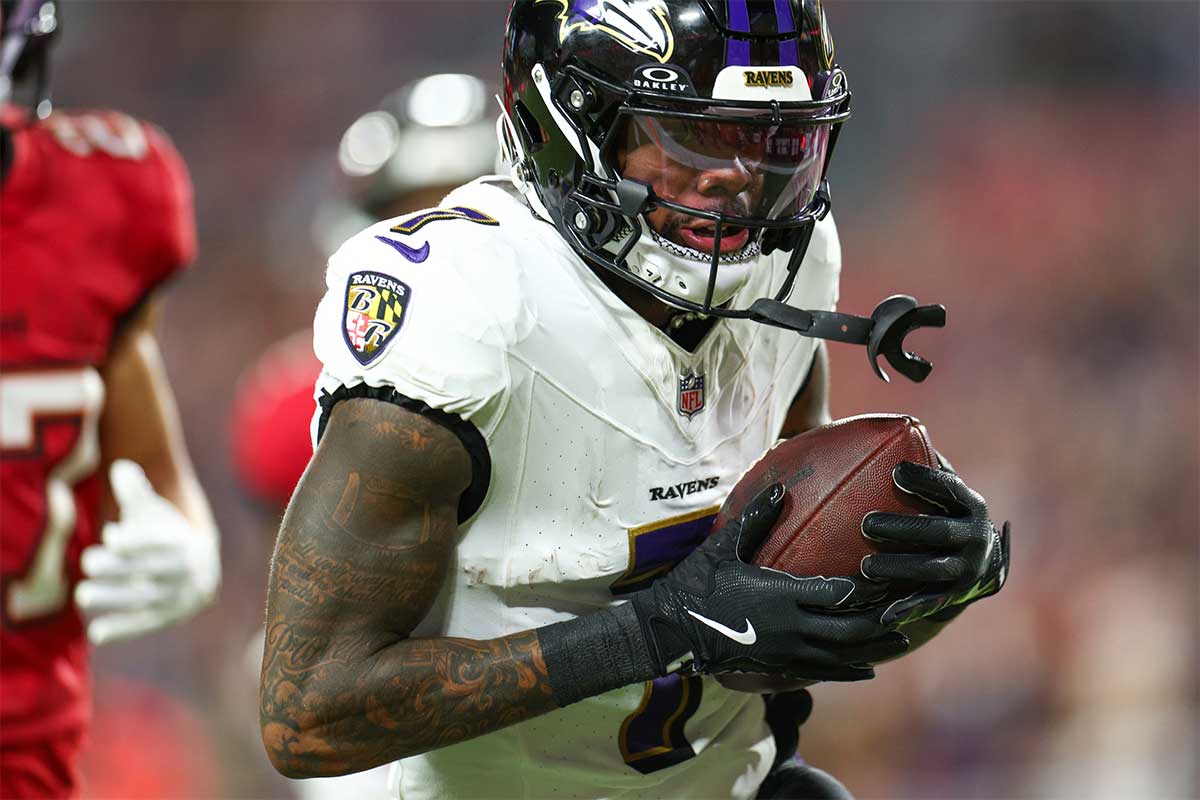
364,548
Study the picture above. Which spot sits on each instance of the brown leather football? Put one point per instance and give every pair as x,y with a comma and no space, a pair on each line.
834,476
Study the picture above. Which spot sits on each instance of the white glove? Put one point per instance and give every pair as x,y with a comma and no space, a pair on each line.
152,568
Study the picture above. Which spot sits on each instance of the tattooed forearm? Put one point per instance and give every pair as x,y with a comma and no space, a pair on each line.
361,556
413,696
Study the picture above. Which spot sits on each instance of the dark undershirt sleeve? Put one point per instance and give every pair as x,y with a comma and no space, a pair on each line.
468,434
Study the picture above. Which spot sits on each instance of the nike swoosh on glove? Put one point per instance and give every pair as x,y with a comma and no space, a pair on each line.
734,616
151,569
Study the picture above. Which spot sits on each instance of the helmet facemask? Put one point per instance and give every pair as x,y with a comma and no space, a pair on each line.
686,196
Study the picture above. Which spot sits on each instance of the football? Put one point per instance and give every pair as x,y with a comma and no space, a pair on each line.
834,475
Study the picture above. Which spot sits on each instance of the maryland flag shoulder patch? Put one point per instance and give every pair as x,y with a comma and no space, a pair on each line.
376,307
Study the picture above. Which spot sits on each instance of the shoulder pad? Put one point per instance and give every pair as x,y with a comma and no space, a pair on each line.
426,304
143,172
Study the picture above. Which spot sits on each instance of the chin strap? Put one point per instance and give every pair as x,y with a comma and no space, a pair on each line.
883,332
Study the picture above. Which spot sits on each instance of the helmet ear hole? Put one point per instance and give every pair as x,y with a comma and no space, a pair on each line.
528,128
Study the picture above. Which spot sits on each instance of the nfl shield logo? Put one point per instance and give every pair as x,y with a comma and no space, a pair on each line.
691,394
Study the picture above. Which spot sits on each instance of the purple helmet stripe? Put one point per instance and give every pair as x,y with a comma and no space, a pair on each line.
737,51
788,54
739,16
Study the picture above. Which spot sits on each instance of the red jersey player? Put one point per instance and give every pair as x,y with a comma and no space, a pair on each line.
95,214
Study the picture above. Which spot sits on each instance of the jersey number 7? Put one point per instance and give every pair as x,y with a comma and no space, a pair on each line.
34,408
652,737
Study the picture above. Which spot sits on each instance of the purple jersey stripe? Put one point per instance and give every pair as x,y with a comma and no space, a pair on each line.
737,51
787,48
652,738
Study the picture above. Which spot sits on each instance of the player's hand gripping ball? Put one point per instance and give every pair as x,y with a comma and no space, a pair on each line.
867,498
834,476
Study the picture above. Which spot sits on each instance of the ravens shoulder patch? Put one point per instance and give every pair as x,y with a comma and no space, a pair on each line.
376,307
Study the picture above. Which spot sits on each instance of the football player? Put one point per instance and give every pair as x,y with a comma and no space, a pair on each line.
95,214
500,566
420,143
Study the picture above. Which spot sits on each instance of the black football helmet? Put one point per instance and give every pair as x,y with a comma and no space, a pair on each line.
718,117
715,83
27,29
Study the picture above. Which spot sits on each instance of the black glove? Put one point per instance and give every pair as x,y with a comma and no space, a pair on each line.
959,558
733,616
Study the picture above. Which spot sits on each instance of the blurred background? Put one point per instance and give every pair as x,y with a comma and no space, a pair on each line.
1033,166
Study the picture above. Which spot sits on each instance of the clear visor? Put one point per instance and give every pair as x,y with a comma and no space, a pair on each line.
739,167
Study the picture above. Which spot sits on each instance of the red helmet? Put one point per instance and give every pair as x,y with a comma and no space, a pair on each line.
269,423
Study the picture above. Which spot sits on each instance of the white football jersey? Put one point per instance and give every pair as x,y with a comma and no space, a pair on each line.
611,449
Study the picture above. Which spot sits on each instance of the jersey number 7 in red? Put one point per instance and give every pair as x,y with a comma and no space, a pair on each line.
33,408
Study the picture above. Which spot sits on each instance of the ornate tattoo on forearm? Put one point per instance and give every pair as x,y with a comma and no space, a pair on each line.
361,556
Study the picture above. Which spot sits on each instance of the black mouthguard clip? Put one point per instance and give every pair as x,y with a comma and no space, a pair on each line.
882,333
